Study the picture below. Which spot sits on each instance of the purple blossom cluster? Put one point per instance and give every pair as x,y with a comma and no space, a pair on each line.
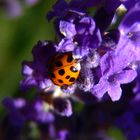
108,57
108,50
14,8
40,110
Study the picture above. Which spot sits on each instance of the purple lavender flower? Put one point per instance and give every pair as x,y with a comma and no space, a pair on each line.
36,72
65,45
31,2
12,8
61,7
129,27
67,29
37,111
16,118
62,135
109,57
106,58
136,89
80,36
111,84
21,111
115,70
115,64
43,114
62,106
15,8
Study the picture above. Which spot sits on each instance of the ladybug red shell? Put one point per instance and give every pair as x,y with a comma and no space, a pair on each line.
64,69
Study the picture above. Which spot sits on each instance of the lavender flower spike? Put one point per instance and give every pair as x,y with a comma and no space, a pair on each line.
116,64
36,73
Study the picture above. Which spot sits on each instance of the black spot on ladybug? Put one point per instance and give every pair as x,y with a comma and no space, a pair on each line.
52,75
69,59
67,77
73,69
61,71
60,81
72,79
58,63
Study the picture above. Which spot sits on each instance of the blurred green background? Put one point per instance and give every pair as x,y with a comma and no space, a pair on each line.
18,35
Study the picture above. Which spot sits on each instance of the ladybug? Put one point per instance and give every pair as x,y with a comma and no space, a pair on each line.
64,69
